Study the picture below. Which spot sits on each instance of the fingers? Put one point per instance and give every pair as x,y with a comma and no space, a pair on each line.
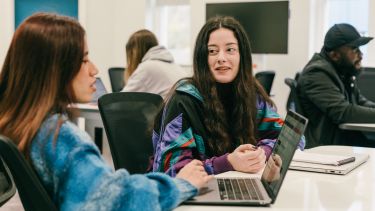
277,159
244,147
196,162
208,178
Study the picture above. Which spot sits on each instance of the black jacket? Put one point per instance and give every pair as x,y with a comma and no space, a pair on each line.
328,99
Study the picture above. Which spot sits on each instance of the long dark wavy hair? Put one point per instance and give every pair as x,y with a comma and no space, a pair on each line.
44,56
245,91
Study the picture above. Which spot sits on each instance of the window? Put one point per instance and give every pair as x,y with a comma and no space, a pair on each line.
354,12
170,21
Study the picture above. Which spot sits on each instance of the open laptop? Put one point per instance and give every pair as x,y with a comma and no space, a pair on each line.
257,191
100,91
330,169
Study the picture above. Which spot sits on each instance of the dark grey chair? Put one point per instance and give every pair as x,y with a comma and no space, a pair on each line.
265,78
116,76
366,81
292,98
30,189
128,119
7,186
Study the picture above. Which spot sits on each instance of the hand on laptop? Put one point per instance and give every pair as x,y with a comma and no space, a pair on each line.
247,158
194,173
272,171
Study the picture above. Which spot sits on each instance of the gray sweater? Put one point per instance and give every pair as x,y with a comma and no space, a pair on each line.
157,73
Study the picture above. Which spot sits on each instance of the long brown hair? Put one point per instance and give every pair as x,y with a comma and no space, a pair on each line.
44,56
245,93
136,48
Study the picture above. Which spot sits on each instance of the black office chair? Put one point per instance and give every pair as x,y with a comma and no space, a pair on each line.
7,186
366,81
292,101
265,78
116,76
31,191
128,119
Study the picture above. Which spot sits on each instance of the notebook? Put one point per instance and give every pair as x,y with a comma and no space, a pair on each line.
342,169
100,91
257,191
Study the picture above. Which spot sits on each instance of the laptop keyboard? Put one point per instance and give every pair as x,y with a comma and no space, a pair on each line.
239,189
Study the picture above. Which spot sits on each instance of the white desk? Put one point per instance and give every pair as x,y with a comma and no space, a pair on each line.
365,127
314,191
92,123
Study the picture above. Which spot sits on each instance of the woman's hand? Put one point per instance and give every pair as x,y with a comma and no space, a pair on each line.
247,158
272,171
194,173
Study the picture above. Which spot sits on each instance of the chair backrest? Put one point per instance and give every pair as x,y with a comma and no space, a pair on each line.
116,76
30,189
293,100
128,119
265,78
7,186
366,82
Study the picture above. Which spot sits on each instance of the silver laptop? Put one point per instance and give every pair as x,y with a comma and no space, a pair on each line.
330,169
257,191
100,91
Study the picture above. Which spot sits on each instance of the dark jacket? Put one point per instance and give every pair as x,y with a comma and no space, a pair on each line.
329,98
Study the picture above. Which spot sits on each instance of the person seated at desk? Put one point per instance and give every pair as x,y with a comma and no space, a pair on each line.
46,69
221,115
150,66
328,92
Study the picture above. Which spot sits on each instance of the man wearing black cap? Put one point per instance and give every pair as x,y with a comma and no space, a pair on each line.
328,93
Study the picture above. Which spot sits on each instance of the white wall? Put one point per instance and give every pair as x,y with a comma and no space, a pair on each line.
109,24
371,46
6,27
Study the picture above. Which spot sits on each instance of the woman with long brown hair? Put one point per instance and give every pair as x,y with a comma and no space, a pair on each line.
47,68
221,115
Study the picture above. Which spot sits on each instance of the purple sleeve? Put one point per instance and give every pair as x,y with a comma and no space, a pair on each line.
217,165
267,149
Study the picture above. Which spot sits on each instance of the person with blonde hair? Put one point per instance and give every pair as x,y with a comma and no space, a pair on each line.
47,68
151,67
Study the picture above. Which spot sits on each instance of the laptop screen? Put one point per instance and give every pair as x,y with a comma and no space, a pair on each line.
100,90
283,151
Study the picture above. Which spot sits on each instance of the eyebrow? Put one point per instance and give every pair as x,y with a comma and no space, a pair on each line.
214,45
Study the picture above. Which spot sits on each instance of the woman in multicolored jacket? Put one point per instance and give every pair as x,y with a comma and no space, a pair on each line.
221,115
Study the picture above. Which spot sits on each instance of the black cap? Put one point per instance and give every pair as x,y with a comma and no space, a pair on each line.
343,34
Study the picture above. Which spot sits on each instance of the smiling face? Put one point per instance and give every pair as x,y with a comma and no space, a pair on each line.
223,55
84,81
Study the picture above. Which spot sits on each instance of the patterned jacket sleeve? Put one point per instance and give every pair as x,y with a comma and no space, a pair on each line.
77,178
269,127
178,138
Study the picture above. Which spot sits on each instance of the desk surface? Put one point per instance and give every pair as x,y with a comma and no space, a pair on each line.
315,191
366,127
86,106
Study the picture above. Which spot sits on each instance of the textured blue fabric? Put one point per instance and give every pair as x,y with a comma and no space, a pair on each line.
77,178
